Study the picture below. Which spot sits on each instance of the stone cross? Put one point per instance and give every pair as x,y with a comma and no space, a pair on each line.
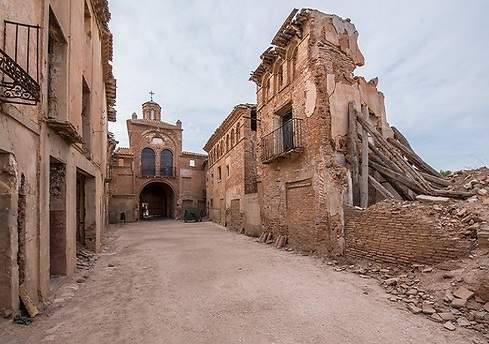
151,94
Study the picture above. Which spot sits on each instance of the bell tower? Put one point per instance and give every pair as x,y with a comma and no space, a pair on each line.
151,110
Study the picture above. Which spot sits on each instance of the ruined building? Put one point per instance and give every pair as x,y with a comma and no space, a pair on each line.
232,194
304,85
153,177
324,146
57,93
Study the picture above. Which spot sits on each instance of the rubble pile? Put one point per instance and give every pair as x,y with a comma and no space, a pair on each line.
476,181
439,293
452,215
471,180
467,218
85,259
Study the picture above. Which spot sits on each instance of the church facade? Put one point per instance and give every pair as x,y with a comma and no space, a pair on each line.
154,177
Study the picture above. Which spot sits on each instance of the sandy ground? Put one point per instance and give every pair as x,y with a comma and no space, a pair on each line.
197,283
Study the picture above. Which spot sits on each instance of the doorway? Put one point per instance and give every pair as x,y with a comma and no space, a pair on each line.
287,132
156,201
57,218
86,210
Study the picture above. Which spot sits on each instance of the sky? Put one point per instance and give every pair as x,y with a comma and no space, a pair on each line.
431,58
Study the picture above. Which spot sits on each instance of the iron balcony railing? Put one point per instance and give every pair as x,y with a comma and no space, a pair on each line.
287,138
19,82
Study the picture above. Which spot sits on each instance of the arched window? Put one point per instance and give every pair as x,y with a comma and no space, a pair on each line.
166,163
232,137
227,142
291,57
222,147
266,87
278,72
148,162
238,135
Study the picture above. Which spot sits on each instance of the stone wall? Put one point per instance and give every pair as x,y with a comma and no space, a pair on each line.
379,234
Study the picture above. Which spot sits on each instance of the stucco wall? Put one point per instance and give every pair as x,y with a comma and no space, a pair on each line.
41,144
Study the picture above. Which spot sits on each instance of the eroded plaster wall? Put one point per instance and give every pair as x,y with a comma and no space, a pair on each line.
302,192
41,143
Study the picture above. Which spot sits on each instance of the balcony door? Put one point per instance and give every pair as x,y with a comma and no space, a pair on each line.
287,132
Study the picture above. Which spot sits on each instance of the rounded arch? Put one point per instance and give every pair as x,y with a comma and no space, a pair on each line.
148,158
232,137
157,200
148,134
291,57
166,163
266,86
278,74
238,134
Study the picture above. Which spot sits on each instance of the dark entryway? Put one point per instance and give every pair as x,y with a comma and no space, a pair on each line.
86,210
57,218
287,132
156,201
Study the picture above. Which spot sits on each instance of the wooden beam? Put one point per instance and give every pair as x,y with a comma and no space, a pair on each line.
364,167
380,188
385,161
401,138
26,299
454,194
414,158
353,151
413,185
396,156
436,180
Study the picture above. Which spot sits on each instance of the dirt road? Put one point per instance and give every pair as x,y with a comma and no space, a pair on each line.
169,282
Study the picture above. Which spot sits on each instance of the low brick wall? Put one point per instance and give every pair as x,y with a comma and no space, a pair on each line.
403,238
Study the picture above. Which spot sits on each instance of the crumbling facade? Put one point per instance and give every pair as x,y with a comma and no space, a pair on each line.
232,190
56,96
325,150
304,84
153,177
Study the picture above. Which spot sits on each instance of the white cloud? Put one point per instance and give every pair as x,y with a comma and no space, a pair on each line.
430,57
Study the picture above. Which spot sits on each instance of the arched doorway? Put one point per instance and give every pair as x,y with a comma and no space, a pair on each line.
156,200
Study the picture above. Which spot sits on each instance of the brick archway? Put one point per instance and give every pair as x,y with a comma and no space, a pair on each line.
157,200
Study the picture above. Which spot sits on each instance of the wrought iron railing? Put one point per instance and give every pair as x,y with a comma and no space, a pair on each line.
20,69
285,139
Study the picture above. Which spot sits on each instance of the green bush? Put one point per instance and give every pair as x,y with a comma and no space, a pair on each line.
445,173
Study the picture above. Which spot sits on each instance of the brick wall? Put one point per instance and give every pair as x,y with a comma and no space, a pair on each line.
231,150
406,237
